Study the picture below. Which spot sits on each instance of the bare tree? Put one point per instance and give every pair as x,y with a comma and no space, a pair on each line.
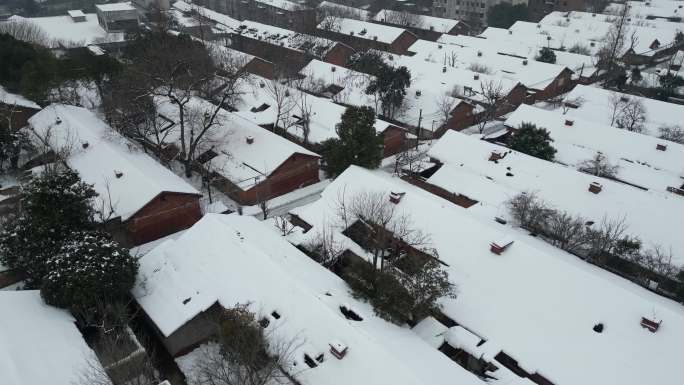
616,103
248,352
325,246
614,44
283,224
492,96
672,133
599,166
602,240
479,68
632,115
284,102
403,18
27,31
445,105
569,103
529,211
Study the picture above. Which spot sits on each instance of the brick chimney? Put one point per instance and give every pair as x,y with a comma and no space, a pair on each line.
569,122
661,147
595,187
249,139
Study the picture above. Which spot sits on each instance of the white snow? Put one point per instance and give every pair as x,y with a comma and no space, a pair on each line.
64,32
313,45
533,74
468,171
68,128
324,113
223,22
365,30
242,163
351,12
432,331
115,7
15,99
534,301
596,105
641,163
40,344
425,22
233,259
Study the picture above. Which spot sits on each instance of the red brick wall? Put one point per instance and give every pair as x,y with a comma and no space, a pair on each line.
20,115
561,84
393,141
403,42
167,213
261,67
297,171
514,98
339,54
288,60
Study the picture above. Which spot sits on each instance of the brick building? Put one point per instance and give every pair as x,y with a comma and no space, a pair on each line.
281,13
287,49
117,17
138,200
244,161
362,35
15,110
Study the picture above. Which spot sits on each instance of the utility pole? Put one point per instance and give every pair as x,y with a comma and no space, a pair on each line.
420,120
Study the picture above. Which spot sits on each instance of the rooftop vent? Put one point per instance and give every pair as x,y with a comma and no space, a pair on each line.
525,62
85,145
476,76
495,155
598,328
249,139
338,349
510,32
592,44
396,197
439,46
595,187
58,120
479,53
275,314
118,174
444,69
650,324
499,246
333,69
418,93
569,122
538,25
375,38
350,314
661,147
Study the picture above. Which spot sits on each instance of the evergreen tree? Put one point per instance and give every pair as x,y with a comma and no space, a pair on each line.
53,205
390,85
88,270
546,55
504,15
533,141
358,143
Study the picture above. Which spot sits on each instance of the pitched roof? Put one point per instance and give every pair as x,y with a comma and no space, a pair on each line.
63,31
366,30
40,344
15,99
534,302
425,22
182,277
70,128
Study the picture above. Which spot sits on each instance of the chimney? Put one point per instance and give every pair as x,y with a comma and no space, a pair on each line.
479,53
249,139
525,62
510,32
494,156
595,187
85,145
661,147
418,93
338,349
444,69
439,46
396,197
476,76
333,69
569,122
118,174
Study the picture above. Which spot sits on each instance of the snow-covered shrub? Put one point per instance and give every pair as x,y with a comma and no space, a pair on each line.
89,269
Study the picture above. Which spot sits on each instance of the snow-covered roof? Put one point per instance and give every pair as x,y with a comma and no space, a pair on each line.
223,21
646,34
429,23
244,164
182,277
517,46
535,302
283,4
561,18
533,74
641,163
365,30
99,154
650,8
324,113
596,105
76,13
40,344
115,7
434,75
16,100
345,10
64,31
316,46
467,170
